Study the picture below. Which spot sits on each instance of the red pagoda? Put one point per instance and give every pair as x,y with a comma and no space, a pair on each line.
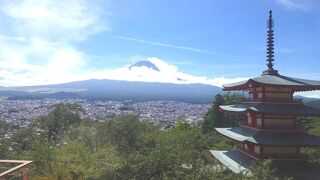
270,129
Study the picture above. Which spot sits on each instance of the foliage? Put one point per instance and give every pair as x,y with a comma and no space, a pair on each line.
125,132
315,103
62,117
24,139
262,170
312,126
4,142
216,118
120,148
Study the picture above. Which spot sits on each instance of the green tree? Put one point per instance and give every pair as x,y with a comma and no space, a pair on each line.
262,170
61,118
42,156
4,140
24,139
216,118
125,132
182,125
312,126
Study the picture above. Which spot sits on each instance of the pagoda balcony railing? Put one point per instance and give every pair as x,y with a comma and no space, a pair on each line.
273,127
283,156
280,100
245,123
274,156
283,127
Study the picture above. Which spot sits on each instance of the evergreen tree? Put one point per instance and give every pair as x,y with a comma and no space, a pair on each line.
216,118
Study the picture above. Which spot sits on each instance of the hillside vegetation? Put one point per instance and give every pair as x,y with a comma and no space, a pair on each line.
64,146
315,103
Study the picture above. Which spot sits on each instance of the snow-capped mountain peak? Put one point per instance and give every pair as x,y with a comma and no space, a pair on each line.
145,63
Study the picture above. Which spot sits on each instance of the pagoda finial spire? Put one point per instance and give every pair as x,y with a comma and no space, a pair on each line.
270,48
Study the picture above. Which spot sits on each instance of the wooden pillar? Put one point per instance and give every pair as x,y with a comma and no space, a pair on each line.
263,93
262,121
298,152
253,120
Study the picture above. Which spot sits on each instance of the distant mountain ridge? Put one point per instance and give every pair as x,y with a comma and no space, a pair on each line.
315,103
116,90
126,88
121,90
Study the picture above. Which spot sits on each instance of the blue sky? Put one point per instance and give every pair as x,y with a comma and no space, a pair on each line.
48,41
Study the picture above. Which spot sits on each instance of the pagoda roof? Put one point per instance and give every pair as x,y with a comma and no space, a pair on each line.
235,160
238,161
275,80
296,109
277,138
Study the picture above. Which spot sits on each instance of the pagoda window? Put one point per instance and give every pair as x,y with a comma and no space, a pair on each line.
274,96
251,96
275,151
278,123
278,89
249,119
246,147
259,122
257,149
260,96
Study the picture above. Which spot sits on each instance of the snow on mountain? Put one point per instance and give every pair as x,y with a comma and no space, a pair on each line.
147,64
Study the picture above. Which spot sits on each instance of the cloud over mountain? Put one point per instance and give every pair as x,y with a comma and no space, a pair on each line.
39,46
156,70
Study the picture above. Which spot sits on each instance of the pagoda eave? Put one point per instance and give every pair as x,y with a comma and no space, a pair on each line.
280,81
235,160
242,134
246,87
240,162
272,109
239,86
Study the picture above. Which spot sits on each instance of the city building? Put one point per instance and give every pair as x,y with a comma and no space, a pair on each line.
270,129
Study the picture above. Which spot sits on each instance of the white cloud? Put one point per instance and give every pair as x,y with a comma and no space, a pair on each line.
295,4
63,20
310,94
38,43
167,74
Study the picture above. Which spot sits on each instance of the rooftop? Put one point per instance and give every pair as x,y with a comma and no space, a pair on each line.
273,108
275,80
281,138
237,161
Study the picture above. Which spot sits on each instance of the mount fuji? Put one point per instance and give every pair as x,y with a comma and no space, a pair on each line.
142,81
147,64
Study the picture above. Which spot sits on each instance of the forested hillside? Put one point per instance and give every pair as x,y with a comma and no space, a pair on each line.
64,146
315,103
